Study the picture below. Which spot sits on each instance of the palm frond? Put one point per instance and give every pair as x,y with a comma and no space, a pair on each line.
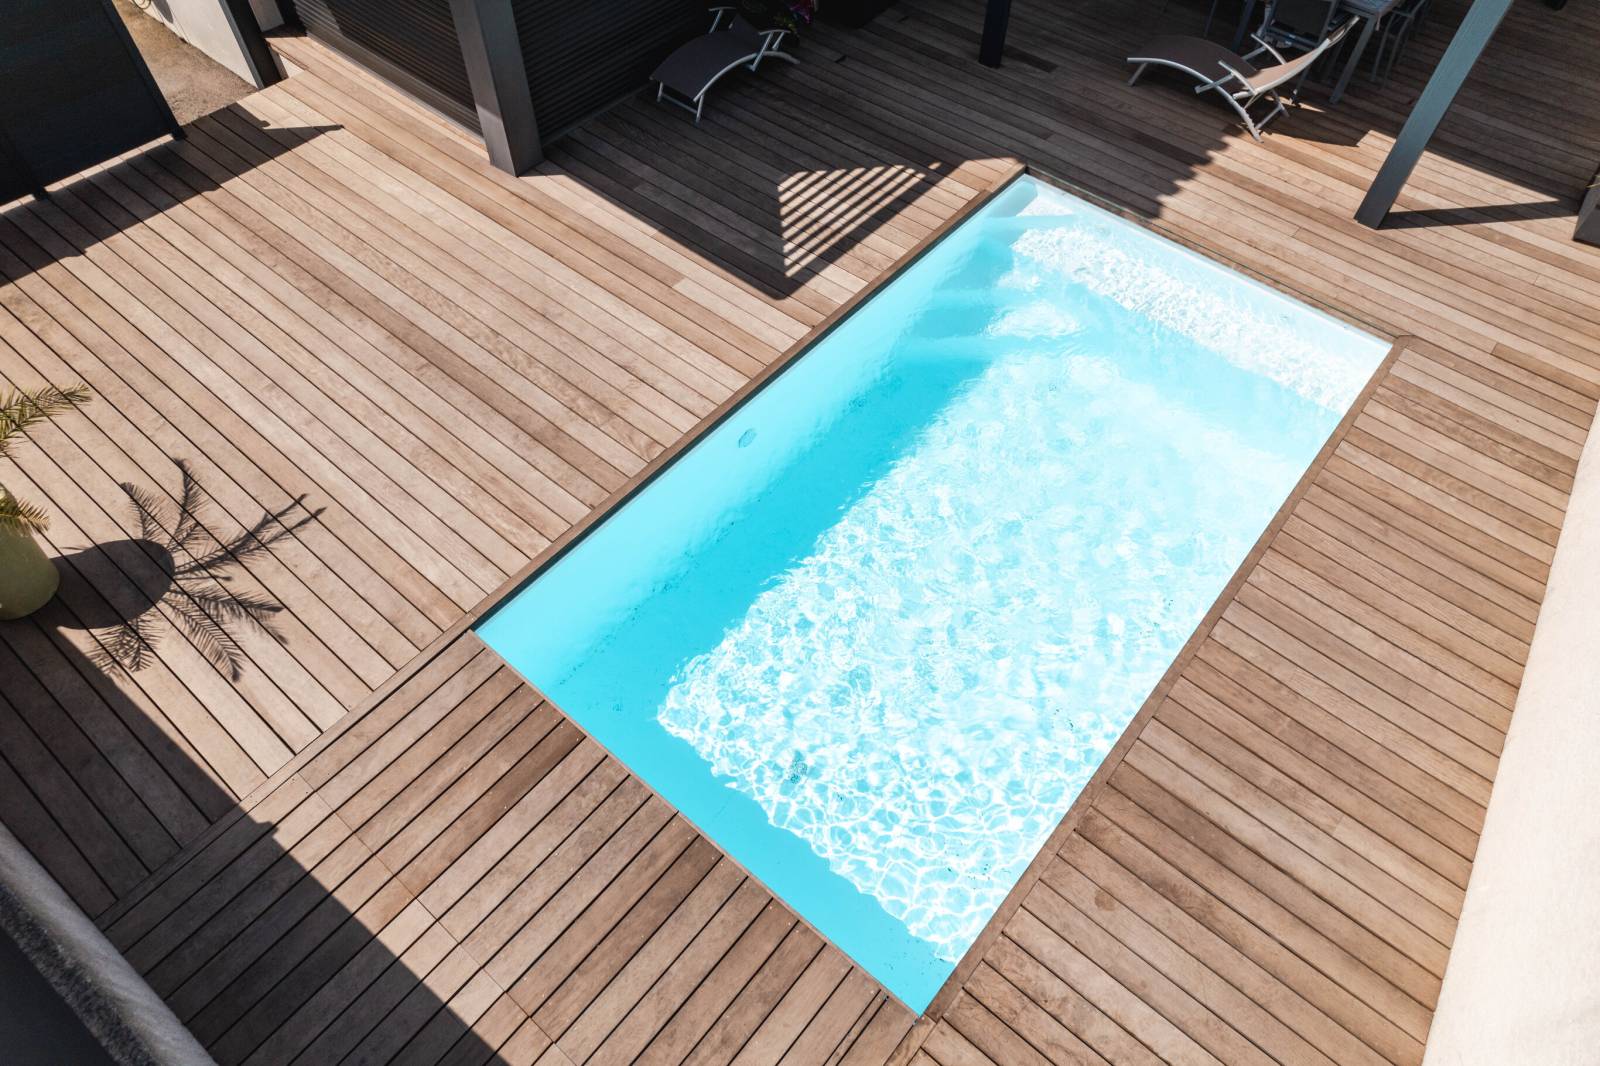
226,605
154,515
129,646
209,636
22,408
270,528
19,517
193,503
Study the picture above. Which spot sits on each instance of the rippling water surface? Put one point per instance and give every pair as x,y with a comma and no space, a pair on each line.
876,631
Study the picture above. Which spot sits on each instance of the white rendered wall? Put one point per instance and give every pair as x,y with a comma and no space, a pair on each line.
1523,981
206,25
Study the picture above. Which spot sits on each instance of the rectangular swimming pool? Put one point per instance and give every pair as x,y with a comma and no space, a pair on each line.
875,632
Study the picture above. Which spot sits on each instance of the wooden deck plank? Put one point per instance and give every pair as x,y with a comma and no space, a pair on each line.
322,164
643,1030
95,754
1230,986
620,994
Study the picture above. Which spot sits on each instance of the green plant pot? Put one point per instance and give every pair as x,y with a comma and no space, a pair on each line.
27,576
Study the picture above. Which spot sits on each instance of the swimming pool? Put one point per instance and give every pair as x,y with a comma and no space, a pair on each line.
876,630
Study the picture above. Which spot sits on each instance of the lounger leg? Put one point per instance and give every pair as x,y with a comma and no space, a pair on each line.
1138,72
1277,109
1244,114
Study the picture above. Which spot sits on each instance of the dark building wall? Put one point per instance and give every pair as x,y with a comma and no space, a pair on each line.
583,56
411,43
73,92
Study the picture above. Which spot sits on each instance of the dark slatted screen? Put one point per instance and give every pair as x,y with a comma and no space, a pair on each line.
73,92
411,43
585,54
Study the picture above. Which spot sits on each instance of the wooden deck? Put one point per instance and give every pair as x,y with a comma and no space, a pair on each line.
403,375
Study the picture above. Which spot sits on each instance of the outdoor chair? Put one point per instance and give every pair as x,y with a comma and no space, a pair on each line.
1398,26
685,76
1231,75
1296,25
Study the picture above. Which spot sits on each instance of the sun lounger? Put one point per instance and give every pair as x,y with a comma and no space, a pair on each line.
1239,81
685,76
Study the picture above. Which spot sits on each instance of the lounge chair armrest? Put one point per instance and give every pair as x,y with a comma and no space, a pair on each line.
1265,47
770,41
1240,78
1222,82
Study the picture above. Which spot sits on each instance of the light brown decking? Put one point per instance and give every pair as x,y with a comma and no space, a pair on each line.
463,846
326,294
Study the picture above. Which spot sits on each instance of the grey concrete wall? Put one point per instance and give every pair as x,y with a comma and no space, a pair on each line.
102,989
1523,981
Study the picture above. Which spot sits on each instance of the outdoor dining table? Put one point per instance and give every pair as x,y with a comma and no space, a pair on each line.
1370,12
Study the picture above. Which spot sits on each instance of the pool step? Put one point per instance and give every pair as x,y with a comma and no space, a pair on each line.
1025,223
958,312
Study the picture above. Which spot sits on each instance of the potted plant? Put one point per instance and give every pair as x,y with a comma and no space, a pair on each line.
27,576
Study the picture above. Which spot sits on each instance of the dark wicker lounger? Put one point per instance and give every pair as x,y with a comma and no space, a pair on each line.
685,76
1239,81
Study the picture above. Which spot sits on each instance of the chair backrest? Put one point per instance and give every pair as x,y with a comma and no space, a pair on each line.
1306,18
1268,78
731,20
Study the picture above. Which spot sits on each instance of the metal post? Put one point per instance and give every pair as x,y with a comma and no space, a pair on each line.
257,53
1482,19
995,20
487,30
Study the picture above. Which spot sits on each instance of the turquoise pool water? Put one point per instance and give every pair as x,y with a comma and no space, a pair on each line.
876,631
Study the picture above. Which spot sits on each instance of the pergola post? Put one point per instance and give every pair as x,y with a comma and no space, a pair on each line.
487,30
1482,19
995,19
253,43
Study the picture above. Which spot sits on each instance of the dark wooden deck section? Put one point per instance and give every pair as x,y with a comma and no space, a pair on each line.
404,375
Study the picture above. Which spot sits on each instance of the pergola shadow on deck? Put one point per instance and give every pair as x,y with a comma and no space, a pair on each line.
820,183
403,375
